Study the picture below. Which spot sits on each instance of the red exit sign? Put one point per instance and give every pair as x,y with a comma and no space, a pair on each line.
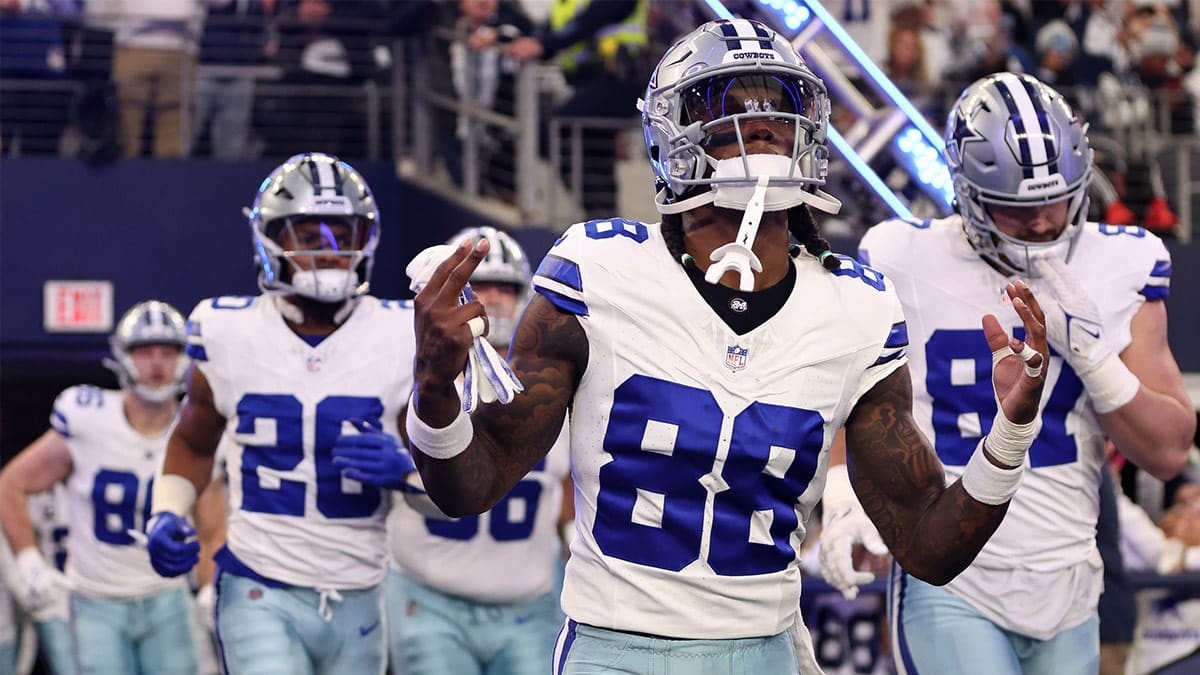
77,306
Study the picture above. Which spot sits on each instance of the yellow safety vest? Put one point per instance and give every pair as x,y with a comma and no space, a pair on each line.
605,45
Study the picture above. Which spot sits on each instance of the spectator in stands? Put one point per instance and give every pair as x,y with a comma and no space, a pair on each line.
31,121
154,67
985,44
322,44
483,76
234,41
1056,46
905,67
601,47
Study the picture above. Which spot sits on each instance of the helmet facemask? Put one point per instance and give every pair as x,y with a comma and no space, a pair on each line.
304,268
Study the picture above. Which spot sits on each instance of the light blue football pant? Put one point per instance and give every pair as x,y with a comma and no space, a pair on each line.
433,633
280,631
8,656
54,642
150,635
939,632
586,650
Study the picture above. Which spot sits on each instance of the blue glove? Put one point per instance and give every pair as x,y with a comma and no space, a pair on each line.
172,544
373,456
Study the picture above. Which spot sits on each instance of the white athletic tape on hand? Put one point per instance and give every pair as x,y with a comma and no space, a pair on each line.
477,326
1027,354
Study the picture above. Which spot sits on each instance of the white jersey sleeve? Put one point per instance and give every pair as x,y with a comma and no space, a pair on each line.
698,453
294,518
506,555
1047,539
108,494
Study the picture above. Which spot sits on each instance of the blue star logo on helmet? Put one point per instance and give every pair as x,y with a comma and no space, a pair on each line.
963,133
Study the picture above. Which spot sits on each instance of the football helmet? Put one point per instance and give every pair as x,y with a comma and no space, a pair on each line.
148,323
505,263
314,187
705,91
1013,141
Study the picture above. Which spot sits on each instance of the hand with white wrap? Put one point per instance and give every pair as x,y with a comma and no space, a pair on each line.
844,524
42,585
1075,331
486,375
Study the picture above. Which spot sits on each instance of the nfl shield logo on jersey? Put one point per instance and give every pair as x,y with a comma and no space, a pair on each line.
736,357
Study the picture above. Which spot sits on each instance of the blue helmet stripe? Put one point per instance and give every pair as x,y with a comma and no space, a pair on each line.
1014,114
1043,124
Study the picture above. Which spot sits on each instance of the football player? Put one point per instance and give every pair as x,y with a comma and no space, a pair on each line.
107,445
478,595
1021,164
707,362
308,380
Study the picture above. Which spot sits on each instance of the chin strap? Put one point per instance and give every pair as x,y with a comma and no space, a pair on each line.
738,256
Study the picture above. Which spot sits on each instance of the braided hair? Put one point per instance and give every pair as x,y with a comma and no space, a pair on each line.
801,224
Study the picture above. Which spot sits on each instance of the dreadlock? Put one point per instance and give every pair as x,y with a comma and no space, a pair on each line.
801,224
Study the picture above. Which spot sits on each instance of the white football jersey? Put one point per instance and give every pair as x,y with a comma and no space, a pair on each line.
505,555
1044,553
108,493
293,517
698,453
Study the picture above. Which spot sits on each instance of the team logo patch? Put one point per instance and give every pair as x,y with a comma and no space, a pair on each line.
736,357
738,305
255,594
313,363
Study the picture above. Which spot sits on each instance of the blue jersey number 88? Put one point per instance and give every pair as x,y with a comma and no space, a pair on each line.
665,439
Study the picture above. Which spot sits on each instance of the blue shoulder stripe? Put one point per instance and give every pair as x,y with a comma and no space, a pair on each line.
565,272
898,337
196,352
1155,292
571,305
889,357
1162,268
864,256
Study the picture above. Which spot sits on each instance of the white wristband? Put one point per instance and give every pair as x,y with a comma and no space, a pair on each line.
1110,384
988,483
1008,441
444,443
838,494
172,493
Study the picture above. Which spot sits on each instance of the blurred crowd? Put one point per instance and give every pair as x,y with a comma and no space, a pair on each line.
241,79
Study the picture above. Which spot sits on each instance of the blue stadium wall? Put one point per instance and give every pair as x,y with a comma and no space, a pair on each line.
173,230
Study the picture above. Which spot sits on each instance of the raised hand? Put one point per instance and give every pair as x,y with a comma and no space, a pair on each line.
1018,370
172,543
373,456
443,330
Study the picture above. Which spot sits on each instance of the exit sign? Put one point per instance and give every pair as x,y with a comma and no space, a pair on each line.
77,306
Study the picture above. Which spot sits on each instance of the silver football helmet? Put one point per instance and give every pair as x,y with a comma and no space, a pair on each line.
148,323
314,187
706,89
1013,141
506,263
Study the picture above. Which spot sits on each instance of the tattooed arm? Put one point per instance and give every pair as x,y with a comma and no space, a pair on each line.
934,531
549,353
